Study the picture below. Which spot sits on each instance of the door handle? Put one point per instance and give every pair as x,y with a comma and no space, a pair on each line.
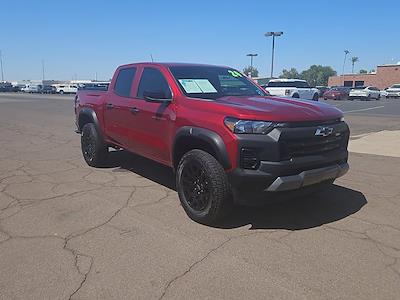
109,106
134,110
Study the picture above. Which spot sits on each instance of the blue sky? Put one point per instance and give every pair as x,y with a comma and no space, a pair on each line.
80,38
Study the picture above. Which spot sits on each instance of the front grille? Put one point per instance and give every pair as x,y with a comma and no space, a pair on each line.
248,159
312,146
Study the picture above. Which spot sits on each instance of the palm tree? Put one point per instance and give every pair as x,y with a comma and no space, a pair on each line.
354,59
346,52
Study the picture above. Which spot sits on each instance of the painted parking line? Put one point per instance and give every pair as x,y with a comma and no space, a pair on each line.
364,109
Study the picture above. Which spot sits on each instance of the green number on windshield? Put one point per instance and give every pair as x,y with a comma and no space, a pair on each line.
235,73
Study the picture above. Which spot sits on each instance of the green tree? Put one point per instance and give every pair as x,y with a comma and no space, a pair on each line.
363,71
317,75
292,74
354,59
251,70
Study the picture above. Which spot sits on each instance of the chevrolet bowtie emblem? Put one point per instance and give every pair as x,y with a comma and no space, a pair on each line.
323,131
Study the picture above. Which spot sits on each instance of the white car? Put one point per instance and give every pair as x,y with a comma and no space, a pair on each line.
66,88
294,88
365,92
393,91
31,88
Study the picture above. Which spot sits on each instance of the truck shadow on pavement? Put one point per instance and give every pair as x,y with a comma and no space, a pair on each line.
333,204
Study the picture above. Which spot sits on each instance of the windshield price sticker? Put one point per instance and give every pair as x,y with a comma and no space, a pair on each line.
196,86
235,73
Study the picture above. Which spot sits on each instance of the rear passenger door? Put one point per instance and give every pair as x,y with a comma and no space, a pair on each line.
154,120
119,124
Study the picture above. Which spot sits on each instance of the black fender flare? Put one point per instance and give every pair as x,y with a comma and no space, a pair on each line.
211,138
91,114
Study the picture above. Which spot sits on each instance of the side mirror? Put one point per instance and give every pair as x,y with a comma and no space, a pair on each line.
158,96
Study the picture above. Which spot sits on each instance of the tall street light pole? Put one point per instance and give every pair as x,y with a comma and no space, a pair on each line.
273,34
251,60
1,63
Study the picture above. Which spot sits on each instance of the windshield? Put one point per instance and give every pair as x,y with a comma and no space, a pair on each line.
208,82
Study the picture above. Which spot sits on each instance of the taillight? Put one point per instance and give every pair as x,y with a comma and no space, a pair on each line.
287,92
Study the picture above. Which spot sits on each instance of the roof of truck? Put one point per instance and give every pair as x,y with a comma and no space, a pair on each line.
173,64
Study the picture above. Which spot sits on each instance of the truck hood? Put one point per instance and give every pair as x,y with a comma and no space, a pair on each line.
280,109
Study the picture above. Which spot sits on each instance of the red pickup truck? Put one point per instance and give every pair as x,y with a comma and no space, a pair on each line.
219,131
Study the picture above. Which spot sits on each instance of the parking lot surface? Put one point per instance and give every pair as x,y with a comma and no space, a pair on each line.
69,231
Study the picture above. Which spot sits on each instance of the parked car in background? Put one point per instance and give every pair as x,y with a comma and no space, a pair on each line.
337,93
321,89
6,87
393,91
66,88
384,93
100,86
47,89
31,88
365,93
294,88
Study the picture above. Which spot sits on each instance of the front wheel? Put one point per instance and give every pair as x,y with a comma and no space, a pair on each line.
203,187
93,149
315,97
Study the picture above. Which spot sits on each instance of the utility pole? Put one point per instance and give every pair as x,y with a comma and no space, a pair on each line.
273,34
1,63
43,70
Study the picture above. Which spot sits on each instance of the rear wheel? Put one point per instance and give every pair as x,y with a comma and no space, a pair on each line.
93,148
296,96
61,92
203,187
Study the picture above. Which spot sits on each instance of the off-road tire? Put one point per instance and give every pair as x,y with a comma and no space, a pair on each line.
219,202
94,150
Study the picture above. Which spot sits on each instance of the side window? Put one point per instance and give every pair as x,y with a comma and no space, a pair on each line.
153,84
124,81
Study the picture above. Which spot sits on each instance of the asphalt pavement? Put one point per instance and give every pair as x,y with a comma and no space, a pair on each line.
69,231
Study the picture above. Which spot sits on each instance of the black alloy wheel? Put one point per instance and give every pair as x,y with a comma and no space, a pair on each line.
196,187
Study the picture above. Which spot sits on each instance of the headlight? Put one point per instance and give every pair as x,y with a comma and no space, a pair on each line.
247,126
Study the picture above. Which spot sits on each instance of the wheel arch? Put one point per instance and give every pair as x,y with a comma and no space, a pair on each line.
87,115
188,138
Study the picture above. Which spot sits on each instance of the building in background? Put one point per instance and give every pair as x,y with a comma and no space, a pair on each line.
385,76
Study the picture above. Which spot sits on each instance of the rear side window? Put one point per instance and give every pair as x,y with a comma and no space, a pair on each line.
124,81
153,81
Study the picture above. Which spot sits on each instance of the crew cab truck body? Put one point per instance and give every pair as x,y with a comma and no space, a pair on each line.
294,88
218,130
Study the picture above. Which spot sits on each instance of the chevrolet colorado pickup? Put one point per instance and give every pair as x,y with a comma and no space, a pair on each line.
218,130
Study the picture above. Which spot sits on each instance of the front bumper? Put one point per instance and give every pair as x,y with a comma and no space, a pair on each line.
286,159
291,174
306,178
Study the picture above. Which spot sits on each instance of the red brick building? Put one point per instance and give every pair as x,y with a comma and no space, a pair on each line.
385,76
